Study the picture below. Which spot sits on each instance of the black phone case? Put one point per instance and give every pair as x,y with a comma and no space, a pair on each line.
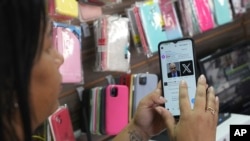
86,113
102,111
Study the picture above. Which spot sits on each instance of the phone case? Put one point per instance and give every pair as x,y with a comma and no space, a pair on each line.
131,95
223,13
204,15
142,36
118,55
144,83
153,24
61,126
171,21
98,110
125,80
116,108
102,111
67,41
134,29
92,110
52,12
89,12
86,112
67,7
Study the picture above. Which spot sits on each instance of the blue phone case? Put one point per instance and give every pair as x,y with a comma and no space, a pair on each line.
222,12
153,25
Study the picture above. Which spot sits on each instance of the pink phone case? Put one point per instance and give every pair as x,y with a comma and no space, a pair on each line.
141,31
61,126
204,15
116,108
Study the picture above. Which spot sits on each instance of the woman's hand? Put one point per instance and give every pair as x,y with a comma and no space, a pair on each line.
146,118
199,123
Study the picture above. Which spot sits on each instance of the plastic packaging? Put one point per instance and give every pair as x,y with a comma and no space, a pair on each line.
112,44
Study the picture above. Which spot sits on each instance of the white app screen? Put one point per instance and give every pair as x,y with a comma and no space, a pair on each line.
177,64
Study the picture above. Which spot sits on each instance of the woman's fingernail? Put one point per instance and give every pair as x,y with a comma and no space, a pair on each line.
163,99
158,90
211,89
217,99
183,82
202,78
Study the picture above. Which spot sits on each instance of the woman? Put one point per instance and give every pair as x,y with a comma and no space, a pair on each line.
30,80
30,83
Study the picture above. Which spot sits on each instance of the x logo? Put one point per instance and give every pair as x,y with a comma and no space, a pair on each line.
186,68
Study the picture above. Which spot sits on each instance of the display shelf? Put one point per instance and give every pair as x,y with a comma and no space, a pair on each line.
205,43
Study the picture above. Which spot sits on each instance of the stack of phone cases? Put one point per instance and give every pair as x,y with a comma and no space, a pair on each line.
61,125
108,109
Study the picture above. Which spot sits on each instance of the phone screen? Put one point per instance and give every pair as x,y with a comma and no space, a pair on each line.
177,63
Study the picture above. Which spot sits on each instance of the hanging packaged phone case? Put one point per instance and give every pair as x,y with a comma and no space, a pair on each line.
153,24
53,13
134,29
67,41
61,125
171,21
204,14
141,31
118,38
116,108
67,7
222,12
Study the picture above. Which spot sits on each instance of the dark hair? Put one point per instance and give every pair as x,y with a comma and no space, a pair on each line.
22,26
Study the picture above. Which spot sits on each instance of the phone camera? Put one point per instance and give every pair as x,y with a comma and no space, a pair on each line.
161,47
114,91
143,80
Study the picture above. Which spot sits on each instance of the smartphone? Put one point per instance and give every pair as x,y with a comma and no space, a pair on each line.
177,62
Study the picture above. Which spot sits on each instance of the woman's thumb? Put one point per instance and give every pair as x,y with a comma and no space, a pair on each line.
167,118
